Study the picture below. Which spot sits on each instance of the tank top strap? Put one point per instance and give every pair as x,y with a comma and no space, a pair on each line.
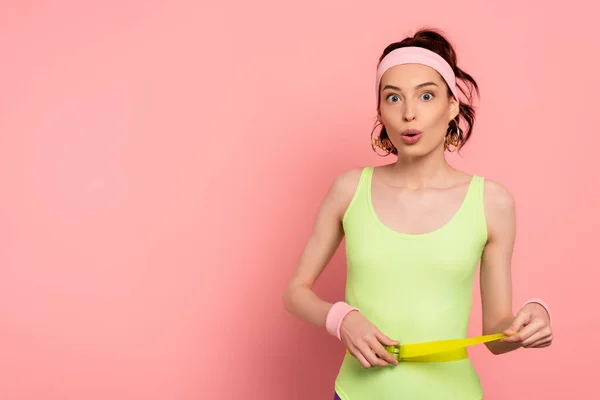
475,193
473,208
361,193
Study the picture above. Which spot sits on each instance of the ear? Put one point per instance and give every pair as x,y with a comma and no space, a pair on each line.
454,108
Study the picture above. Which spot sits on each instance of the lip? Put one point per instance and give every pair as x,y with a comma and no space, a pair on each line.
411,136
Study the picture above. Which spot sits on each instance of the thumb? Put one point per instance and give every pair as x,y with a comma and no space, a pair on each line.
384,339
521,320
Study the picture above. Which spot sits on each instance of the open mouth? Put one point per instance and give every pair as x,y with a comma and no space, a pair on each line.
411,132
411,136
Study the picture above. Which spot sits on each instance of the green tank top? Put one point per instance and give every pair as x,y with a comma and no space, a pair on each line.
413,288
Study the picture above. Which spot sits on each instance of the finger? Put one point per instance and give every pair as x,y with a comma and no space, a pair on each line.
361,359
541,345
384,339
540,332
370,356
522,319
532,339
382,352
543,342
529,330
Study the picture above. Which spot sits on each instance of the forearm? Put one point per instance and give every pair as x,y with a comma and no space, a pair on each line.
303,303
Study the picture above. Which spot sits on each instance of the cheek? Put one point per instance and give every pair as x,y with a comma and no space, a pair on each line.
390,115
438,118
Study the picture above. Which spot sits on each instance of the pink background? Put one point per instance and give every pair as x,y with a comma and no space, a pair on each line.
162,163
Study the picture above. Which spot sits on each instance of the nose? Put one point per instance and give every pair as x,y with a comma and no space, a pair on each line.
408,113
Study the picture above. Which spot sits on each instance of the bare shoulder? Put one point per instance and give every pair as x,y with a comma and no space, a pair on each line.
499,204
497,197
347,181
343,188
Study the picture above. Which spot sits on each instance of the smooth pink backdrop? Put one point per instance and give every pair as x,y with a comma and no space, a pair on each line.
161,164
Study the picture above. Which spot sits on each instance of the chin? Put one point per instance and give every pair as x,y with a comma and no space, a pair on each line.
415,151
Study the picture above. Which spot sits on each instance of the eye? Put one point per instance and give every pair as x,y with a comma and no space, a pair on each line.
427,96
393,98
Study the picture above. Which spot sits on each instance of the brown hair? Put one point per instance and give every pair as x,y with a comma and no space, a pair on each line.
435,41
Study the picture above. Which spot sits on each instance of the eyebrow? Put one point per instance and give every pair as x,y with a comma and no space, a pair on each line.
416,87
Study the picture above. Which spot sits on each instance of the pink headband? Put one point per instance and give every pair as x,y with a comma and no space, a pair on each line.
418,55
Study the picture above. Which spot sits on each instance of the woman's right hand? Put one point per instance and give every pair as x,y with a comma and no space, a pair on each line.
364,341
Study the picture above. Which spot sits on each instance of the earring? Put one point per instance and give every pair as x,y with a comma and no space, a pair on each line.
385,144
452,139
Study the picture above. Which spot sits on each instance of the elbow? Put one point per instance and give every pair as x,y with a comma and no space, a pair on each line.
493,349
498,348
295,295
288,296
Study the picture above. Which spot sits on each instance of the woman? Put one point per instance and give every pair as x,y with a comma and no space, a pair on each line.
416,230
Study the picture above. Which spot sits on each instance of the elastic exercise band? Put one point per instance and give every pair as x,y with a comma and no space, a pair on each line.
439,350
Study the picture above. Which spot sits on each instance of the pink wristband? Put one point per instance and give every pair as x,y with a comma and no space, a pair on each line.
335,316
541,303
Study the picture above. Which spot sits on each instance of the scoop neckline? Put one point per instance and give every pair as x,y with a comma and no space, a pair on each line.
435,231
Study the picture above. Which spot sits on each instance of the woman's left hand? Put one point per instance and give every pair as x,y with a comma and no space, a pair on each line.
530,328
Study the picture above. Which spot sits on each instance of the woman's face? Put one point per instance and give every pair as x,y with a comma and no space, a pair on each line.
415,108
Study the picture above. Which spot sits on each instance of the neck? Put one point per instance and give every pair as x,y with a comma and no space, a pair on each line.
418,172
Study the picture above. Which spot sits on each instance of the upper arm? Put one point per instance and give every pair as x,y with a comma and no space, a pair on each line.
496,279
327,232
